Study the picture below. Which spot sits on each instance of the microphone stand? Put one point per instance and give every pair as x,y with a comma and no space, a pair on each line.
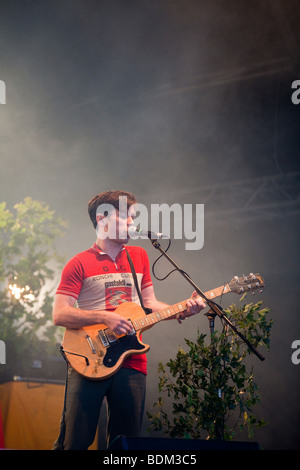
214,307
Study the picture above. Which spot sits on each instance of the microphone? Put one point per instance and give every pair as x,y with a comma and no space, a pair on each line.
132,230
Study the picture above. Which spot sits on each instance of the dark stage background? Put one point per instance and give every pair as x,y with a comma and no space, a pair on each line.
177,101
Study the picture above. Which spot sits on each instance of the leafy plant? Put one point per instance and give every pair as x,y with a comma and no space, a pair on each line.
28,263
211,388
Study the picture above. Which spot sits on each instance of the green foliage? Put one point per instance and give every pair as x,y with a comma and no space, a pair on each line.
210,387
28,264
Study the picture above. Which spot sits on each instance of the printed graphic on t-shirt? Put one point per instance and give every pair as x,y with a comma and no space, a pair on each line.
115,296
107,292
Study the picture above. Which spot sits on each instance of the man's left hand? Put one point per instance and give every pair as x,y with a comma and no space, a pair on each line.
194,305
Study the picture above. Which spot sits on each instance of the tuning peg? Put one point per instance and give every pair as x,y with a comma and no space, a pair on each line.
260,291
241,289
252,292
236,278
249,286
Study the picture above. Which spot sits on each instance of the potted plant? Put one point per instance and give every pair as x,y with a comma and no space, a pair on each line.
208,390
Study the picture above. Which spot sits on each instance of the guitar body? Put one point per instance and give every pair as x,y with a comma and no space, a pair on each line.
96,352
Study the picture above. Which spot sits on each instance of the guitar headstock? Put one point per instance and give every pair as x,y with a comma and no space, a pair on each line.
243,284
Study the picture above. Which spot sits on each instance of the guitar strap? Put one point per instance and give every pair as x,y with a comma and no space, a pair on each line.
146,310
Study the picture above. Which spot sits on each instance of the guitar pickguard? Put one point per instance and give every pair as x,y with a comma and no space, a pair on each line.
117,348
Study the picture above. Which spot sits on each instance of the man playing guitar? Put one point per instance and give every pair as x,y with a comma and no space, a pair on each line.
98,280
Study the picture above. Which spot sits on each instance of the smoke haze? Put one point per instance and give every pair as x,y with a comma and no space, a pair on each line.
178,102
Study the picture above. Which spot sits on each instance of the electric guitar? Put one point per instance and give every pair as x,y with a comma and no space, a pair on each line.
96,352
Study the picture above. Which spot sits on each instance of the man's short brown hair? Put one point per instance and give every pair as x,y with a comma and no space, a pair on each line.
108,197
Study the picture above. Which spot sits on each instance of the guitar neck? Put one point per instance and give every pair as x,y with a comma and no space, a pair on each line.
146,321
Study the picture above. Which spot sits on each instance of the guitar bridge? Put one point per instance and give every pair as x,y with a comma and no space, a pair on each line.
103,338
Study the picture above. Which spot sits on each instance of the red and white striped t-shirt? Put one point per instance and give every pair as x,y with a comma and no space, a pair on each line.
98,282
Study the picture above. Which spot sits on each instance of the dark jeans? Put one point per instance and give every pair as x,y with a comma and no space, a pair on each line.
125,394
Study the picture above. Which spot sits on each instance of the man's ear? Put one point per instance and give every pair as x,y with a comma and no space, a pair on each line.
101,219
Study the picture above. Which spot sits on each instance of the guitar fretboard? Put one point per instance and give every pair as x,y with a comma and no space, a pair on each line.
146,321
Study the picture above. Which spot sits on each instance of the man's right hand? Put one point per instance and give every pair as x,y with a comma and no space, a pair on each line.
117,323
